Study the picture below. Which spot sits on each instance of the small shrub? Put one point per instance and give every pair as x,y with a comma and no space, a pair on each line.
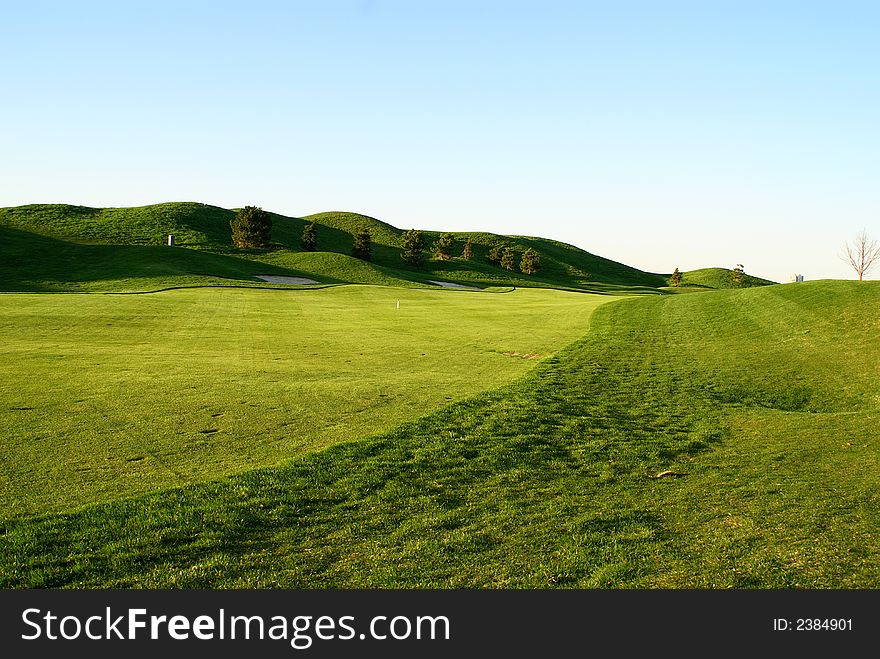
738,274
530,262
413,244
508,259
494,255
251,227
363,245
309,240
443,246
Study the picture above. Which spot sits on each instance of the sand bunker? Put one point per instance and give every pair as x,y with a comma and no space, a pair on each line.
449,284
278,279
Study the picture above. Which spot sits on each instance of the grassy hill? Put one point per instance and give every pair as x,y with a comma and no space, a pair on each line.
194,225
53,237
35,262
716,278
760,407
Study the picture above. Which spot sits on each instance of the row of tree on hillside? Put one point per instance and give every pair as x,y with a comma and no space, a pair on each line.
252,228
503,255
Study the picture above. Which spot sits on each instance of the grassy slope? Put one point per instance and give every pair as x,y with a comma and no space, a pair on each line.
45,234
193,224
763,402
38,263
33,262
719,278
104,396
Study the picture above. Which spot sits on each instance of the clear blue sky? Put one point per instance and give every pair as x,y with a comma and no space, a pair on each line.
660,134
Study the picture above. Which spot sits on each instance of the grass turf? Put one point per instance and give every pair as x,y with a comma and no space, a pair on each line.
762,404
103,396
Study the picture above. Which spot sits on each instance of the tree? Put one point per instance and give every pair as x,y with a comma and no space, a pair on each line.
413,244
251,227
508,258
862,254
467,252
494,255
443,246
530,262
309,240
675,279
738,274
363,245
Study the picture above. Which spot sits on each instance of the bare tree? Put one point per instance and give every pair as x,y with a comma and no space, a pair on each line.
862,254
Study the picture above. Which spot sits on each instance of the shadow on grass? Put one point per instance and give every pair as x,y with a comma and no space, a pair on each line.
546,482
31,262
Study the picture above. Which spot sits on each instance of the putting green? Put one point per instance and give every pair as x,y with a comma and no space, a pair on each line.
104,396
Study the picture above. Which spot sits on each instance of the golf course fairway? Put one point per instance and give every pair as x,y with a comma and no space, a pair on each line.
105,396
712,440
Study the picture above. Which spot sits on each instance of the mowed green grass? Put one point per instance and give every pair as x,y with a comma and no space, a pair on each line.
105,396
762,403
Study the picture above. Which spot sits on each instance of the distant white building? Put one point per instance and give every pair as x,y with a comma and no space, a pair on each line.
796,278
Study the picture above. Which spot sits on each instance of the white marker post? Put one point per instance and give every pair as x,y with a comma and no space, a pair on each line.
398,304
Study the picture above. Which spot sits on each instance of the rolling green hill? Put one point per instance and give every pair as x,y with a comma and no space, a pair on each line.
36,262
716,278
720,440
194,225
40,241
